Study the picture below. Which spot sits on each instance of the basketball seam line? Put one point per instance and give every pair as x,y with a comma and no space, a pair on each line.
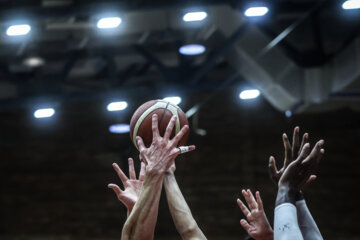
163,115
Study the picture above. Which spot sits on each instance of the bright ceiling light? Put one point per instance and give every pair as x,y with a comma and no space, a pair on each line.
351,4
109,22
34,62
44,113
249,94
119,128
192,49
194,16
288,113
256,11
18,30
173,100
117,106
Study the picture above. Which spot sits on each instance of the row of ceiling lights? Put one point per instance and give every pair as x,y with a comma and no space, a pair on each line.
122,105
189,49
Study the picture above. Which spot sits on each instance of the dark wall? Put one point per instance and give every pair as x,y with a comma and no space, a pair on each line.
54,173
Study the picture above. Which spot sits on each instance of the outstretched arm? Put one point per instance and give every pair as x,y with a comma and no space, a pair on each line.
180,211
307,224
292,180
161,154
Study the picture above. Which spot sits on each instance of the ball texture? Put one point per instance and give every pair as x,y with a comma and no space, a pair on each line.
141,121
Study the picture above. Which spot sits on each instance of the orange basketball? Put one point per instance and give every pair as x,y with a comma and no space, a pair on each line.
141,121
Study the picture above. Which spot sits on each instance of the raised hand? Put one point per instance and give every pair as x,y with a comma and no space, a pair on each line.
161,154
297,174
132,186
257,225
292,151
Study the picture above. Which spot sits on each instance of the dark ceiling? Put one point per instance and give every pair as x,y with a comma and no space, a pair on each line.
141,59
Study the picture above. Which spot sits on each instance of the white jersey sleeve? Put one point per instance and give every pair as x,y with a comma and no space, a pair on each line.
307,224
286,225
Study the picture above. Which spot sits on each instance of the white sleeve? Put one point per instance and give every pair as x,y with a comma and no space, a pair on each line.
307,224
285,223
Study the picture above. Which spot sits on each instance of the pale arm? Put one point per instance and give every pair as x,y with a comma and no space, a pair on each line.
142,220
180,211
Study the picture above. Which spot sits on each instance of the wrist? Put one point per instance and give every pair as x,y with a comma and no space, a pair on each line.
299,196
285,194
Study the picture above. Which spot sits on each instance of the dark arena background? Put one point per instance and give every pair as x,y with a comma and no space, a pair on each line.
301,57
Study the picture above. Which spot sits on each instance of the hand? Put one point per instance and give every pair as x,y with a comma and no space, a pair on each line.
292,151
162,152
131,193
257,225
298,173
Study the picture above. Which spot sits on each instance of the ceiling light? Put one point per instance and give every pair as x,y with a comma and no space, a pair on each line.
351,4
256,11
109,22
17,30
288,113
249,94
34,62
173,100
117,106
194,16
192,49
119,128
44,113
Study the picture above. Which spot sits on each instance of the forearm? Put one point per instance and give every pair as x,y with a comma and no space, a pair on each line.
142,219
286,226
307,224
180,211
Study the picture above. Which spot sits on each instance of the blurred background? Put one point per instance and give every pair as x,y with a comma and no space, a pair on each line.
73,72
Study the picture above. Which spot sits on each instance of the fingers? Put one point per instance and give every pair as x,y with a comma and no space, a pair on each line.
142,172
310,180
305,139
180,134
295,143
259,201
170,127
304,153
120,173
242,206
272,168
131,169
116,189
185,149
245,225
154,126
140,144
287,148
250,200
315,154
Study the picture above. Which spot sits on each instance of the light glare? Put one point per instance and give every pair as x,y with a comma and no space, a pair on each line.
117,106
110,22
34,62
351,4
192,49
119,128
173,100
288,113
44,113
194,16
249,94
256,11
18,30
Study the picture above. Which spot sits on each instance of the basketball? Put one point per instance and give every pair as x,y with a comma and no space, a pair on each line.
141,121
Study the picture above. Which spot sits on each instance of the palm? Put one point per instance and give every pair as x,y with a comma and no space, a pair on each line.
257,221
131,193
257,225
132,186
